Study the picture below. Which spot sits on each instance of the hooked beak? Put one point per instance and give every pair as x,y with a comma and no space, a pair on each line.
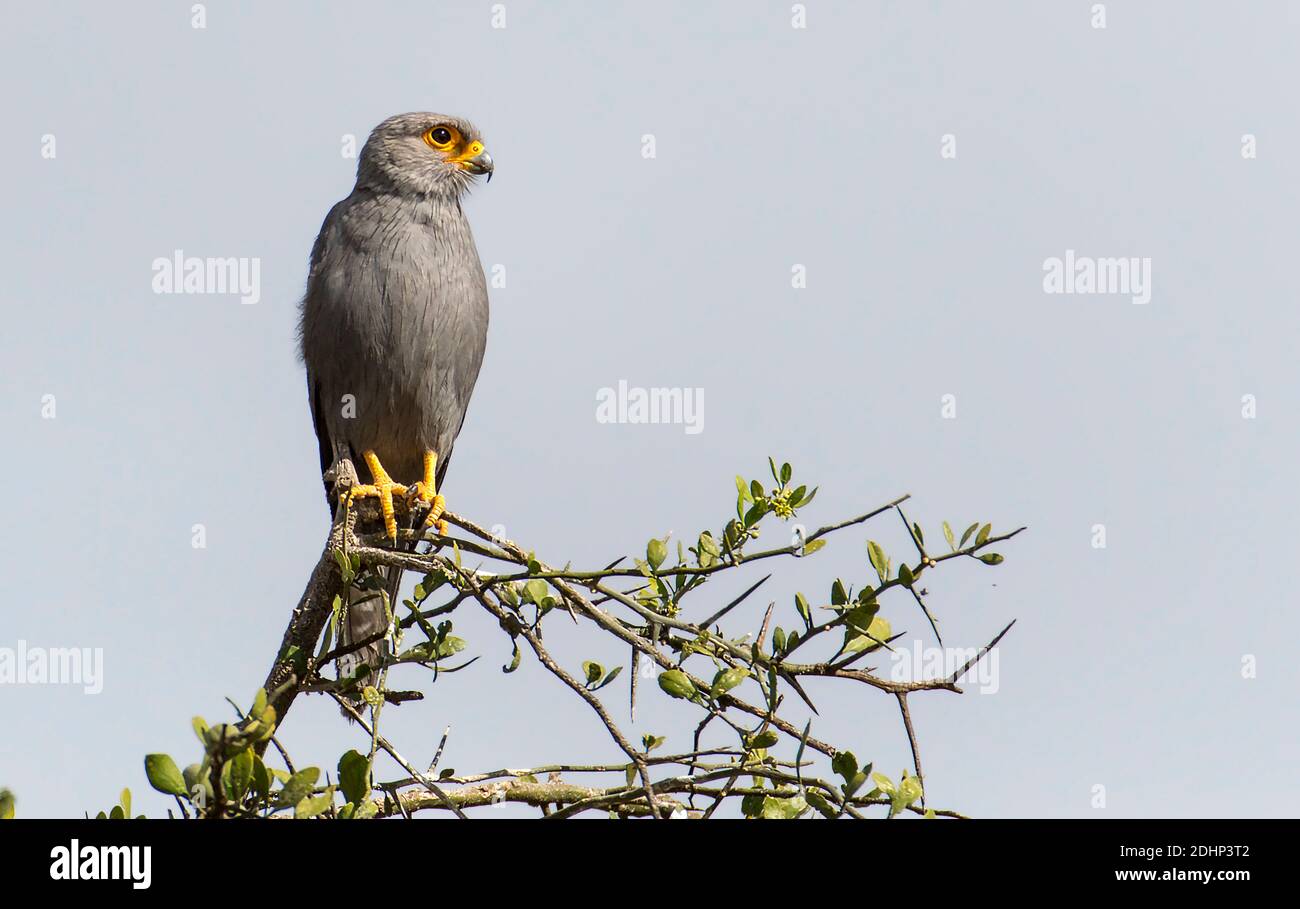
479,164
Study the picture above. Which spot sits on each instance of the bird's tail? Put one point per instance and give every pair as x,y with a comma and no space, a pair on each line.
366,617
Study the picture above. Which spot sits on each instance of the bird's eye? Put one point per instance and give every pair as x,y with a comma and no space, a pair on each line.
439,137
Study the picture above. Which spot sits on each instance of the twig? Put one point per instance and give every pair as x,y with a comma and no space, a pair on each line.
911,738
392,752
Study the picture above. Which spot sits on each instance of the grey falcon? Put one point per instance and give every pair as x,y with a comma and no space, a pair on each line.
394,325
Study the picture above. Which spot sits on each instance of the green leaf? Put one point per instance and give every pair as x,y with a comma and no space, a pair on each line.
786,472
196,777
298,787
875,635
707,550
535,591
727,679
593,671
860,617
609,678
236,774
878,560
947,535
819,801
991,558
651,742
844,764
224,739
743,488
983,536
909,790
905,575
311,807
901,796
354,777
6,805
966,536
345,567
450,645
261,784
855,781
676,684
655,553
839,596
164,775
514,660
765,739
812,546
776,809
805,612
752,804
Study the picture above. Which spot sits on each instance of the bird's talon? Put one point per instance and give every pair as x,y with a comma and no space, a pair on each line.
427,492
383,488
437,505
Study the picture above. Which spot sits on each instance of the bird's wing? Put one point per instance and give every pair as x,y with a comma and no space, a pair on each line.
322,434
328,449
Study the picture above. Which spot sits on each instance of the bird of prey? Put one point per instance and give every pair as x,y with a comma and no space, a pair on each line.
393,328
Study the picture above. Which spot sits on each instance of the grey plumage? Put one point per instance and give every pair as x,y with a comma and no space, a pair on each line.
394,320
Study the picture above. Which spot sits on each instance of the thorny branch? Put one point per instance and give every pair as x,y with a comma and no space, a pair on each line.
642,606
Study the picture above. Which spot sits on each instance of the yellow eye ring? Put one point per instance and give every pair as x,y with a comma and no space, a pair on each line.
441,137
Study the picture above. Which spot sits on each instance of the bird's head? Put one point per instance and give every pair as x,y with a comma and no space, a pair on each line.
424,154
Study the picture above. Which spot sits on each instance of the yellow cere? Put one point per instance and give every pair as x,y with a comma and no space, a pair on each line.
473,150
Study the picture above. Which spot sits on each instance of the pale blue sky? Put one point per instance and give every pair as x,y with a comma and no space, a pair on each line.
775,146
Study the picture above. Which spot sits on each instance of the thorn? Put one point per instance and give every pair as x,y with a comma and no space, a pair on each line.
734,603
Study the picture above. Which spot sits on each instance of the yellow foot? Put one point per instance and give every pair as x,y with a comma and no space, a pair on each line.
426,491
382,489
